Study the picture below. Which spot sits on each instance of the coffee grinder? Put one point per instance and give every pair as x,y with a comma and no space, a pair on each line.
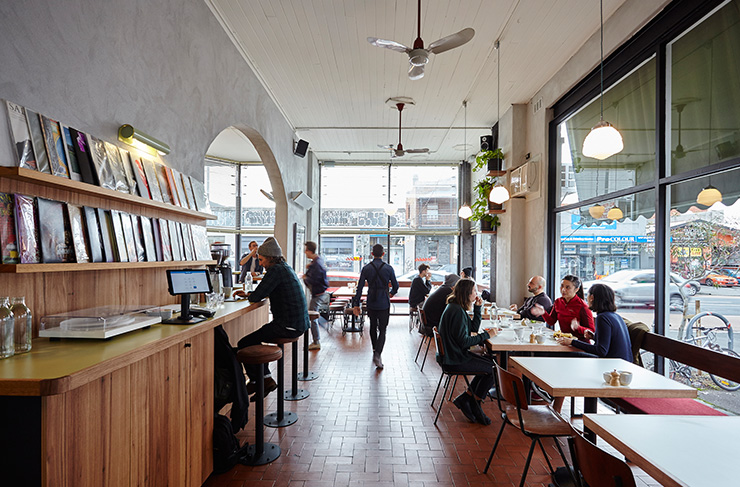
220,273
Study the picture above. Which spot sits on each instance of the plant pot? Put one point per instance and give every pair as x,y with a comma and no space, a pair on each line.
495,164
487,227
495,207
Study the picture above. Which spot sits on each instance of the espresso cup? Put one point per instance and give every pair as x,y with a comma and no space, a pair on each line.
540,339
607,377
625,378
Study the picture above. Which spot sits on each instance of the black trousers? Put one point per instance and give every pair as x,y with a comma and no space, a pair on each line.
267,334
481,367
378,324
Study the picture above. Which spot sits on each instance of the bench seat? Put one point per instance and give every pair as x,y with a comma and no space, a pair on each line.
671,406
399,299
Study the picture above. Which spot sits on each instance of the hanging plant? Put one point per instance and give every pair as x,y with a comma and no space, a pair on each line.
480,206
493,159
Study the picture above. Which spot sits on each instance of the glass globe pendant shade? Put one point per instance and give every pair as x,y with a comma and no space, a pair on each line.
709,196
499,195
465,212
603,141
596,211
390,208
615,214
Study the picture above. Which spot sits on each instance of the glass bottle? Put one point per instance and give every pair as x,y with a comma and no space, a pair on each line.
249,282
23,324
7,325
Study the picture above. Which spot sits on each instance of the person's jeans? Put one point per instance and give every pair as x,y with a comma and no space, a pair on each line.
267,334
378,324
318,302
481,367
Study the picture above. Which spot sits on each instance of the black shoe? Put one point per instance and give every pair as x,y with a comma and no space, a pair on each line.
464,403
480,416
493,393
270,385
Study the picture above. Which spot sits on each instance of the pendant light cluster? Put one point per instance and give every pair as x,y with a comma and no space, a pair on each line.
465,210
499,193
604,140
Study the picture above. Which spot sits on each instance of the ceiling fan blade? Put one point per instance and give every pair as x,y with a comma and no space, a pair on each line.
392,45
417,151
451,41
416,72
386,147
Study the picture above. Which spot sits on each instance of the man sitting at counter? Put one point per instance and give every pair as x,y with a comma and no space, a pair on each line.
287,304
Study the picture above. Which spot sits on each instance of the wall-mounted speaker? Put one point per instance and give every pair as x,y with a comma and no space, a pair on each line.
486,142
300,148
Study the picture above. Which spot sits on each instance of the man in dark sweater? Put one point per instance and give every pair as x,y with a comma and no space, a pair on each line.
317,282
536,286
420,286
436,302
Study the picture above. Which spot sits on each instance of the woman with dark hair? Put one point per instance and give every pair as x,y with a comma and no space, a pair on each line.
456,331
570,310
612,336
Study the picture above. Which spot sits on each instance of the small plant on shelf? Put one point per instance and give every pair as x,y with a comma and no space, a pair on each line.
480,205
491,159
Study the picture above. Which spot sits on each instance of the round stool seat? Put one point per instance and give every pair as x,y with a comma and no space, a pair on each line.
349,311
283,341
312,315
259,354
336,305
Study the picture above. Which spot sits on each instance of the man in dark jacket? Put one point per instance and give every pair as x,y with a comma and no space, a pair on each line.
378,275
287,303
420,286
436,302
317,282
536,286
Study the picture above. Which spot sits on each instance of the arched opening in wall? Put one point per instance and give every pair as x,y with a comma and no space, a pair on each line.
240,186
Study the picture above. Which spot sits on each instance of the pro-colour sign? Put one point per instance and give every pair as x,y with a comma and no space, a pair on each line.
608,239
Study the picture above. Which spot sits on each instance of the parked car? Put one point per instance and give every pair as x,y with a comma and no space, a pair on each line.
637,288
342,276
718,280
689,286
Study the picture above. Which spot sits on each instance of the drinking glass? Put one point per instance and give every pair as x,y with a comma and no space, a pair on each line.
212,300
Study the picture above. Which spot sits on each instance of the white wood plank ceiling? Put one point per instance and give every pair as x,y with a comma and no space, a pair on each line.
331,84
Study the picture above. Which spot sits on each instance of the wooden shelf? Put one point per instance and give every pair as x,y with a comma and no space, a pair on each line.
97,266
488,232
496,212
56,182
496,173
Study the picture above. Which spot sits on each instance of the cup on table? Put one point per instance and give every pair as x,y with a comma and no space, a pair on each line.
212,300
540,338
519,332
227,292
625,377
607,377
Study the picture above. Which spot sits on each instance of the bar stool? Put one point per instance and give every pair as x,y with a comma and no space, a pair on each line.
281,418
306,375
294,394
260,453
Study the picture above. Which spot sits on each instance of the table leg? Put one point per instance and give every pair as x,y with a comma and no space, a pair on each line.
589,406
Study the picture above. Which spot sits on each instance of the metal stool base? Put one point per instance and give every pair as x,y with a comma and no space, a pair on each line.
270,454
272,421
300,394
308,377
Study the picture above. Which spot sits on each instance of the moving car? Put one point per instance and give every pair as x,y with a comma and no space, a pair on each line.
637,288
718,280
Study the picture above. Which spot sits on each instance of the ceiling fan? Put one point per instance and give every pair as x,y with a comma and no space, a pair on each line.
399,151
418,56
679,152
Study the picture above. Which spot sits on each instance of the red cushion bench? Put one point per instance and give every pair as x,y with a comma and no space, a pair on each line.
675,406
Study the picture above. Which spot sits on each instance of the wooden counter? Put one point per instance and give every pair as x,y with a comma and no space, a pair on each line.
133,410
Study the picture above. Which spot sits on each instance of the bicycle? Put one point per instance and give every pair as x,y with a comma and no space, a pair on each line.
704,337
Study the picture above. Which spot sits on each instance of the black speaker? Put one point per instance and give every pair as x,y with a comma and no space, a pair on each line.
486,142
301,147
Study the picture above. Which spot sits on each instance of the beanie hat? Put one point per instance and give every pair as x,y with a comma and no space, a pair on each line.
451,279
270,248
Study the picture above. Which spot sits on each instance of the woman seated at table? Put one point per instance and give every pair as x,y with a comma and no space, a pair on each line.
570,310
456,331
612,336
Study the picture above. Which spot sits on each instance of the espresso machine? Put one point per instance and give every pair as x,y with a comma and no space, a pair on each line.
220,273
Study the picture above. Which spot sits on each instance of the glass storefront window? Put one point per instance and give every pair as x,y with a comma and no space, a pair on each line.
483,259
258,211
355,197
220,182
428,196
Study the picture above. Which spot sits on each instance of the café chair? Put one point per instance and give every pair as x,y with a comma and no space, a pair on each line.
426,337
598,467
447,374
413,318
536,422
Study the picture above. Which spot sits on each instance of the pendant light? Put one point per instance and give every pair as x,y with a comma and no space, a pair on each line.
499,193
615,214
604,140
390,208
465,211
596,212
709,196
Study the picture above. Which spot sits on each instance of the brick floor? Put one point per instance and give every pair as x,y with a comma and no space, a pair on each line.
362,426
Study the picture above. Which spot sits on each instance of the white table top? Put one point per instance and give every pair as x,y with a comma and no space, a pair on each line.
506,341
583,377
674,450
345,292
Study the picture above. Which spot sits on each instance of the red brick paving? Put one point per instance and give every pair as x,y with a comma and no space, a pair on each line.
366,427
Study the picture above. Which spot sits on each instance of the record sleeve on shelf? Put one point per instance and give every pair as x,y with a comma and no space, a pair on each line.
163,185
174,241
147,236
92,228
138,240
201,198
128,235
157,239
8,241
151,178
69,152
26,229
110,252
164,230
55,238
54,148
84,158
189,192
19,136
200,242
101,163
119,238
140,176
172,186
116,164
186,245
128,170
188,236
37,141
79,239
180,188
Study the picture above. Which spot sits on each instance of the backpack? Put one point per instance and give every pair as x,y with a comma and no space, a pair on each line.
226,449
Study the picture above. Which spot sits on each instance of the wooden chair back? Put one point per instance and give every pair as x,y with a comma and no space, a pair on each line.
438,343
422,317
599,467
511,388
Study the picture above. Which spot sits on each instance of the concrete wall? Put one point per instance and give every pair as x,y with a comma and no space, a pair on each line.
165,67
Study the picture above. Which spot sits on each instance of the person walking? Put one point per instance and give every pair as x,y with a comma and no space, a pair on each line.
317,283
378,276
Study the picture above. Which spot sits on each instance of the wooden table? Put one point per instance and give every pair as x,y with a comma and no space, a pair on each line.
674,450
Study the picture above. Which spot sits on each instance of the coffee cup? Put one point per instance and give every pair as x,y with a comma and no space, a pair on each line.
540,339
165,313
625,377
607,377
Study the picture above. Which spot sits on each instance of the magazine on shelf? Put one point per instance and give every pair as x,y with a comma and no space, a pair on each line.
84,157
151,178
19,136
201,198
164,187
8,242
37,141
26,229
140,176
77,228
157,239
54,147
174,241
130,179
69,152
110,252
171,185
54,235
99,157
118,237
116,164
92,227
164,230
200,242
147,236
128,236
180,188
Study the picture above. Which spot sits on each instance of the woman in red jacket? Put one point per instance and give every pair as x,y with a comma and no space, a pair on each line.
570,310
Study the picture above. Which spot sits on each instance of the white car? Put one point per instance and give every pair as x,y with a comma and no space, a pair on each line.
637,288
